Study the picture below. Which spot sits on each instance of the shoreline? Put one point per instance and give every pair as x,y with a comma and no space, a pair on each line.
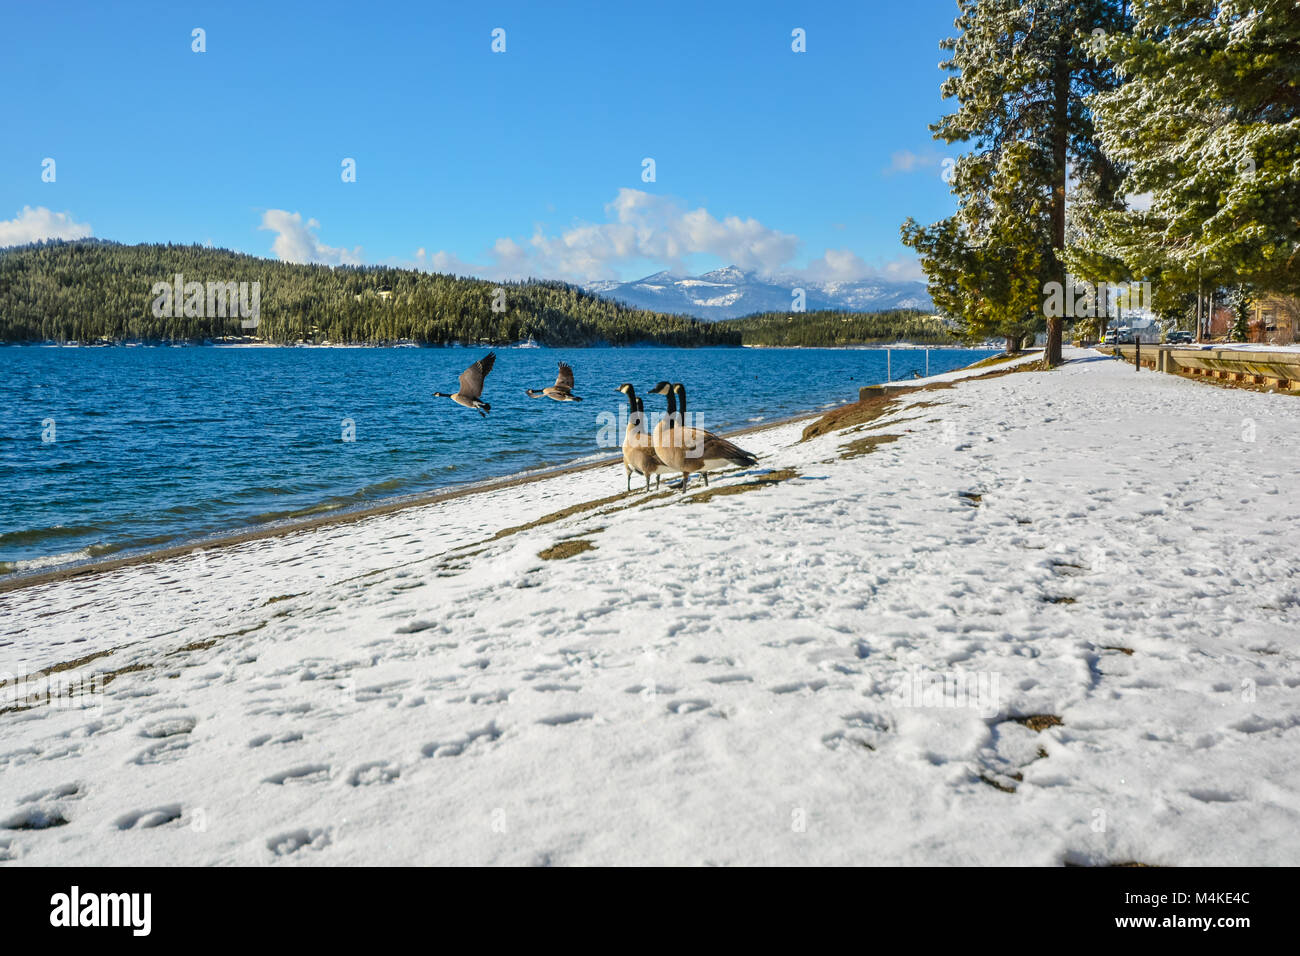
16,581
21,580
410,344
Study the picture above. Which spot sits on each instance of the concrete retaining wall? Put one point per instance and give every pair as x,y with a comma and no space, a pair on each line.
1279,370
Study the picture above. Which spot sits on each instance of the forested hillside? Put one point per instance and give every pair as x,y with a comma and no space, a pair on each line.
841,328
89,290
94,290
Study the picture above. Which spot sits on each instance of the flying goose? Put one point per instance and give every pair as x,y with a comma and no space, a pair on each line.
638,452
471,385
689,450
561,391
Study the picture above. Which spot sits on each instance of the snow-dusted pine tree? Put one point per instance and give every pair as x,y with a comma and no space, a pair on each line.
1207,124
1022,72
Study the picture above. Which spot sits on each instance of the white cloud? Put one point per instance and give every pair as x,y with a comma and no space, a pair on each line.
33,225
906,161
844,265
641,226
296,241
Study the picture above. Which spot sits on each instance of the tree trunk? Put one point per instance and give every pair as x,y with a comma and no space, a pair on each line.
1013,344
1060,144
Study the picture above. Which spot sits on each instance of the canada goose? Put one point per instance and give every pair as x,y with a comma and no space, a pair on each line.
689,450
471,385
638,452
561,391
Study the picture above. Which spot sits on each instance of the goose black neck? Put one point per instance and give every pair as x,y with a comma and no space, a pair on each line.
672,407
682,399
631,400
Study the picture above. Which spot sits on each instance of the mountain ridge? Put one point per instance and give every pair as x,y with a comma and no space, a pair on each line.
731,292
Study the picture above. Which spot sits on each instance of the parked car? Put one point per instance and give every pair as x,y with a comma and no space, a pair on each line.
1179,337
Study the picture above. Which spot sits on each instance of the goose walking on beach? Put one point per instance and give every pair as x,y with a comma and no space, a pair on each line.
638,450
471,385
561,391
688,450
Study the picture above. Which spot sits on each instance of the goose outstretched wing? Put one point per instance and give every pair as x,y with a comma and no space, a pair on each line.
565,379
471,380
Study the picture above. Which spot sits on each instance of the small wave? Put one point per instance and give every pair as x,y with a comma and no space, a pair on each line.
33,535
49,561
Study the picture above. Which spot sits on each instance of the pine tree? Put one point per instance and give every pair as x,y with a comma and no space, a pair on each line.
1240,299
1022,72
1208,123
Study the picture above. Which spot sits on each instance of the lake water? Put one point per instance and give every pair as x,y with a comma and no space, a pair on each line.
111,449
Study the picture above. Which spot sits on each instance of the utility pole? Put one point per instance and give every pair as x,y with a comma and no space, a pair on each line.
1199,296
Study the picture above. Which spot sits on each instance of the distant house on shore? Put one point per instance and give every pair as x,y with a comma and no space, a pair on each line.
1274,320
385,294
1222,318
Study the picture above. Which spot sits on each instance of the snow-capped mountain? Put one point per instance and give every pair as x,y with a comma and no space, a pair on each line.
730,292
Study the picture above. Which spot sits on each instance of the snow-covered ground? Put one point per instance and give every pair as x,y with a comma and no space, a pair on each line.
1057,619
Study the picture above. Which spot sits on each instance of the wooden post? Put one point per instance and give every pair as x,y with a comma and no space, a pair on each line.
1137,354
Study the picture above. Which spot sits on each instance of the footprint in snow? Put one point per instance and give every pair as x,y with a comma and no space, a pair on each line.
287,844
306,773
164,751
169,727
687,706
812,685
66,790
148,819
455,748
650,689
37,817
560,719
379,771
287,738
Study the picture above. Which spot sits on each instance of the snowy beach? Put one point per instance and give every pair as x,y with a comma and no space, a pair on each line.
1034,618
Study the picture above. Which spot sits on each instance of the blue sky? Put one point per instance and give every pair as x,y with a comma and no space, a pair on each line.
527,162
